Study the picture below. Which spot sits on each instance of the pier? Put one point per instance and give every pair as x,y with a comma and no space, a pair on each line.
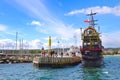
40,61
54,62
17,58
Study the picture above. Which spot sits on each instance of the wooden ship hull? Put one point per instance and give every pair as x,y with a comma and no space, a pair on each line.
92,60
91,63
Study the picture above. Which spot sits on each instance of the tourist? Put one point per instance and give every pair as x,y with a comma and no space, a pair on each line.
61,54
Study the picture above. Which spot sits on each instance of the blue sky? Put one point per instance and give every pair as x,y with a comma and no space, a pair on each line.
36,20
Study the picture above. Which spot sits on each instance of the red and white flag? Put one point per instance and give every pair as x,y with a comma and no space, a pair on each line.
87,21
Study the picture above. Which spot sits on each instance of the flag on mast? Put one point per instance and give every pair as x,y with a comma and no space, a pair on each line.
87,21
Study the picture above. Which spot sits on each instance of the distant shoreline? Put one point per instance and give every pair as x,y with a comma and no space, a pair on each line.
112,55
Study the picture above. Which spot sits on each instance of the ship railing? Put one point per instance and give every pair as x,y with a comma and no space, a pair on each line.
84,49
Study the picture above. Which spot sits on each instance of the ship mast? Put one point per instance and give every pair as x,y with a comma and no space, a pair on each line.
92,21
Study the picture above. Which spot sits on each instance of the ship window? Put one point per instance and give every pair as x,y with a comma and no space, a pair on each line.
89,31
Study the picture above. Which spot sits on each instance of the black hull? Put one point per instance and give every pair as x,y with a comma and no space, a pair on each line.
92,63
92,59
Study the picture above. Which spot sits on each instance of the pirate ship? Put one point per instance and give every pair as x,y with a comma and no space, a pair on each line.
91,45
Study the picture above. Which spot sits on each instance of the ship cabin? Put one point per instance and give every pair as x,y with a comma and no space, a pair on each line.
90,40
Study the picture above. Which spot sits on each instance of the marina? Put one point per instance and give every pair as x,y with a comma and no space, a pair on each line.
51,60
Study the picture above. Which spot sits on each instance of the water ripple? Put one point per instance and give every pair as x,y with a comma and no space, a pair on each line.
26,71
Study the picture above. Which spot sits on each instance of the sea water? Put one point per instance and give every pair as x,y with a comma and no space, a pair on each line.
26,71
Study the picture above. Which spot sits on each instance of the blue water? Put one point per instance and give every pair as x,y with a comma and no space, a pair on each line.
26,71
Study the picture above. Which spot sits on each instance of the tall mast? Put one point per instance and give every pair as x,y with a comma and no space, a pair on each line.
16,39
92,21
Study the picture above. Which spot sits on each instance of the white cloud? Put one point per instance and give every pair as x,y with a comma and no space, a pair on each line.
11,44
35,44
108,40
101,10
36,23
111,39
64,30
3,27
34,8
6,43
51,24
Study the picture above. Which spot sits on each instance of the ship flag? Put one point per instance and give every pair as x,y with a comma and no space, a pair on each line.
87,21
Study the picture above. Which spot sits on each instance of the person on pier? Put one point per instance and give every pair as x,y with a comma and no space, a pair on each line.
61,54
52,53
43,52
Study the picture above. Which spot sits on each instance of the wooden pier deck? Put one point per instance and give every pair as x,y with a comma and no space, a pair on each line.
56,61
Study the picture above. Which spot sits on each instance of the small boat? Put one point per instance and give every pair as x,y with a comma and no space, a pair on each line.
91,49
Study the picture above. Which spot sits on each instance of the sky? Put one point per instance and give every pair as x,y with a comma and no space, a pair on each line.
36,20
